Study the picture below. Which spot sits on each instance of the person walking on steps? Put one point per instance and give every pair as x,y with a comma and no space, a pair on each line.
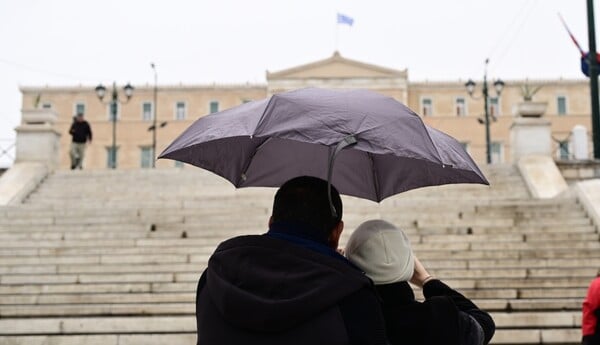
81,132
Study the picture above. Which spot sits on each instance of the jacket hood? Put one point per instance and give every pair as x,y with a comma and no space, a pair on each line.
267,284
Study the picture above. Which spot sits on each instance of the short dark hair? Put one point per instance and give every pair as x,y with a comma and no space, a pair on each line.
304,200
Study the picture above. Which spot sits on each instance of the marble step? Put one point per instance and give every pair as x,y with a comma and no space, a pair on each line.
142,276
158,306
502,336
175,324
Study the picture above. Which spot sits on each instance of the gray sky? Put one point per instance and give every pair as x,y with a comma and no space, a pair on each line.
71,42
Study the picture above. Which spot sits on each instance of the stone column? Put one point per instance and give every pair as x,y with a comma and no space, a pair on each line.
530,134
37,140
579,142
531,145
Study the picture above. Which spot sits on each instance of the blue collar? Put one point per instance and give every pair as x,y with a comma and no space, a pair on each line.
293,233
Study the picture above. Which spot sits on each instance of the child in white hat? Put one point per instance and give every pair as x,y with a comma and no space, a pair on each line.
384,253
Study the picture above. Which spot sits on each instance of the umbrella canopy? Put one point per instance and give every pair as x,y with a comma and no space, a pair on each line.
265,143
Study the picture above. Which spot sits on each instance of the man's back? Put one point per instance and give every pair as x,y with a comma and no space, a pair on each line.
265,290
81,131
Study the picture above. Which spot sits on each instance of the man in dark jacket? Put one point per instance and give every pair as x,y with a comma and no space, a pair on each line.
289,286
81,133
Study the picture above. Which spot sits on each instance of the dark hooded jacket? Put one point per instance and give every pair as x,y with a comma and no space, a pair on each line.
265,290
445,317
80,131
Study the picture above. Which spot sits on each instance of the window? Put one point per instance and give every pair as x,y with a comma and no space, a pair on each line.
146,156
178,164
112,157
46,105
497,152
147,111
494,106
461,107
180,111
426,107
561,105
214,106
117,110
79,108
563,150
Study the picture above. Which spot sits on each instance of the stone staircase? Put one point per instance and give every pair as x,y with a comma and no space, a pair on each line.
113,257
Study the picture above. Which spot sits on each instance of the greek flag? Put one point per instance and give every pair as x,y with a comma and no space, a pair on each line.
344,19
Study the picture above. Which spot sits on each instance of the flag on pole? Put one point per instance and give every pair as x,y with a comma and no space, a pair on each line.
571,34
344,19
585,63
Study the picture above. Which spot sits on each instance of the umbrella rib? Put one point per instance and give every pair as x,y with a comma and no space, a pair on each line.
375,179
242,176
433,143
262,116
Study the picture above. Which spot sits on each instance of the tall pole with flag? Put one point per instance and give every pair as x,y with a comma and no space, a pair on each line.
342,19
593,61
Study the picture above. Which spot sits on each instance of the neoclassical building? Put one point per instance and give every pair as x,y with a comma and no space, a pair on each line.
444,105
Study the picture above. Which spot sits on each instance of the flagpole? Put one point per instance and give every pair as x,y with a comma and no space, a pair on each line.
337,33
593,61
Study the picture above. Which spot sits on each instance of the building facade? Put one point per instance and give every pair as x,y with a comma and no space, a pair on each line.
443,105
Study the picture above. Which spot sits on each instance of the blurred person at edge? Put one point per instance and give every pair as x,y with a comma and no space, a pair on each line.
590,328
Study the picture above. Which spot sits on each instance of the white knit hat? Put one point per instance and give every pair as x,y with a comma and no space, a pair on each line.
382,251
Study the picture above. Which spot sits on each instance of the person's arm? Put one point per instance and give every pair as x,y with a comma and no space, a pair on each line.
420,274
89,132
363,318
434,287
72,129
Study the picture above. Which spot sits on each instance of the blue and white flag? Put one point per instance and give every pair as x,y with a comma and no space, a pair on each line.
344,19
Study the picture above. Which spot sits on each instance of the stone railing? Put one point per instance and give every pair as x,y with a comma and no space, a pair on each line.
579,170
37,140
36,155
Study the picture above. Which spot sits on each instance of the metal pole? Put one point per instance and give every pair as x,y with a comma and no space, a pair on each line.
113,110
593,61
154,117
488,144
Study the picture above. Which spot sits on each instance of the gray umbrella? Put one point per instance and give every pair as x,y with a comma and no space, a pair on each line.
265,143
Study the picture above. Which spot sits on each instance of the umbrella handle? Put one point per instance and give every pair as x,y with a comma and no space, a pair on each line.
347,141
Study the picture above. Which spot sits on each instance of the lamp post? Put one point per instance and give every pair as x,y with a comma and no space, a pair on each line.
498,86
114,102
154,115
154,126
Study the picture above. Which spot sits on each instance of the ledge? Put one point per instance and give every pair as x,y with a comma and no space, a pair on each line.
19,181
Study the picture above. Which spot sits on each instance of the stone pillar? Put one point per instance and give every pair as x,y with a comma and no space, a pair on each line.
579,142
530,134
37,140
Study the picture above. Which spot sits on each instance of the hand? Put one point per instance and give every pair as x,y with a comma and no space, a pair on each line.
420,275
341,251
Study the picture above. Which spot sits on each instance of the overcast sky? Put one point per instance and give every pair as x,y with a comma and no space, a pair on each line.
71,42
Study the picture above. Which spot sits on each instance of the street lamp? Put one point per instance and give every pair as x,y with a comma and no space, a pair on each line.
498,86
114,101
154,126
